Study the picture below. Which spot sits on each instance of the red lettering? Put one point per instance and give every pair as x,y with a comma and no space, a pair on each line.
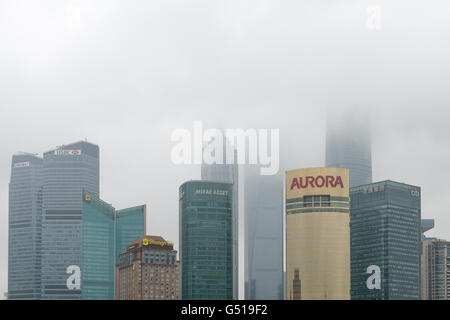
301,183
321,183
330,181
310,180
339,181
294,183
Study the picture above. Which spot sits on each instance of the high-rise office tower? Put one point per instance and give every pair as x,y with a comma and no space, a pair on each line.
24,227
317,234
206,240
348,144
228,173
63,240
68,170
130,224
98,244
263,203
148,269
435,269
385,229
104,232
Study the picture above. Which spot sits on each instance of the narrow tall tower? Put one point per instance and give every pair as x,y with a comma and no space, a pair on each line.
24,226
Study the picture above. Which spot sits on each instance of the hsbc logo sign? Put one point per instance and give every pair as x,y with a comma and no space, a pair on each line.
67,152
317,182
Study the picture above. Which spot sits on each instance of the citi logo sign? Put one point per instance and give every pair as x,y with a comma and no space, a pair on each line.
317,182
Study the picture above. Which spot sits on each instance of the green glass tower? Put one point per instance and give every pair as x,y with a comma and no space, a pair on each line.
98,255
385,236
130,225
105,232
206,240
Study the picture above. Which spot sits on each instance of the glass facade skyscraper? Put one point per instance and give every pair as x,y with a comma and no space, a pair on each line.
104,232
228,173
24,227
348,145
130,225
68,170
59,230
263,203
206,240
98,254
385,228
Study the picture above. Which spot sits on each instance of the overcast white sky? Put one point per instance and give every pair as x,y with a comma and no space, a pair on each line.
125,74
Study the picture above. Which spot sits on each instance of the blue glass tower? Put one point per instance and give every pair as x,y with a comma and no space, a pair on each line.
385,231
68,170
24,227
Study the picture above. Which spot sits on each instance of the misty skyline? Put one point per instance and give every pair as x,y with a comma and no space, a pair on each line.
126,75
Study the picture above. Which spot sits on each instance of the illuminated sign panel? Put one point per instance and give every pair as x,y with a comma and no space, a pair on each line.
60,152
21,164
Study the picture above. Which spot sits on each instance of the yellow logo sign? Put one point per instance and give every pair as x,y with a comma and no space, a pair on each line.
146,242
87,197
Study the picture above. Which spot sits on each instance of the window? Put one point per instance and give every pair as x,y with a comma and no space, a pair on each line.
316,201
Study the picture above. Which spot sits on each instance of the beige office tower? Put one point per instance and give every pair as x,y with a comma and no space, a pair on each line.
317,234
435,269
148,270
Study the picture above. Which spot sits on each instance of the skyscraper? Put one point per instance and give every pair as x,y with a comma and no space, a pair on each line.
385,230
24,227
206,240
63,240
317,234
68,170
104,230
263,235
228,173
130,224
435,269
348,144
98,243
